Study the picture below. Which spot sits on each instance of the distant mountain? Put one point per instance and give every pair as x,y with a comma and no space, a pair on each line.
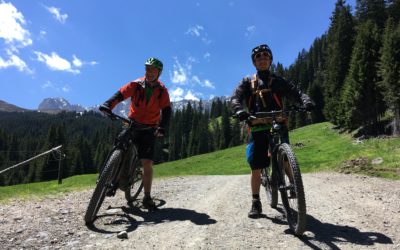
179,105
54,105
4,106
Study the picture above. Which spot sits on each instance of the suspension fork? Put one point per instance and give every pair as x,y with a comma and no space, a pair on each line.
276,171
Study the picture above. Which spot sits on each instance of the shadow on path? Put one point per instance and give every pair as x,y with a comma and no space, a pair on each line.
329,234
161,215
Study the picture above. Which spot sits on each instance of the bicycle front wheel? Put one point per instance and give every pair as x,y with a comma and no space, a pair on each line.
135,181
270,187
102,186
292,190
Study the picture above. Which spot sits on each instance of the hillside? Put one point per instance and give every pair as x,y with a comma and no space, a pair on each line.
7,107
317,147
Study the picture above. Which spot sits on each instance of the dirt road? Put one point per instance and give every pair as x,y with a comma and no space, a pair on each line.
210,212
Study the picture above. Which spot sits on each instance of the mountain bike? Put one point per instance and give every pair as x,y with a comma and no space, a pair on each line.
122,169
284,174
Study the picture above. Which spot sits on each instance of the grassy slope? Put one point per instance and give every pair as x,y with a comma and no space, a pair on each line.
320,148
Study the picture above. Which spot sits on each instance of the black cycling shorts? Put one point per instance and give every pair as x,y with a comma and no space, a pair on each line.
257,150
145,141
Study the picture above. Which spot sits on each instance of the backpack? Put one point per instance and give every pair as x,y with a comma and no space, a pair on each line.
258,93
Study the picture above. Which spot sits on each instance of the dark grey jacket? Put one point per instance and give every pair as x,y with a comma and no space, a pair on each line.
243,95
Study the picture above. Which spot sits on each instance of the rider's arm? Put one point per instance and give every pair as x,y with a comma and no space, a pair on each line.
291,92
165,117
166,110
240,94
114,100
123,93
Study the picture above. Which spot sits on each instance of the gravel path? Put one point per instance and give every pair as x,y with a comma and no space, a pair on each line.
210,212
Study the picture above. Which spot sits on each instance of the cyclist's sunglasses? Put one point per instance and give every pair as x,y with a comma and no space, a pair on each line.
264,54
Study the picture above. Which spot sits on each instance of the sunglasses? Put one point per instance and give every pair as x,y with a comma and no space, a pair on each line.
264,54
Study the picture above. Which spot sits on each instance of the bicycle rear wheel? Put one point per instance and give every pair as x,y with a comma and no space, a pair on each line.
270,188
292,190
135,181
102,186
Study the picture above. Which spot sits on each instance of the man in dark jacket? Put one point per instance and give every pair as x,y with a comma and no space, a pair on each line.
262,93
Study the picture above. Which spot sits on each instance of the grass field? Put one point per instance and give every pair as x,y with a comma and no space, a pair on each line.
318,148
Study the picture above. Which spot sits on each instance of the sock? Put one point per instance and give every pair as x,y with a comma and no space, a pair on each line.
256,196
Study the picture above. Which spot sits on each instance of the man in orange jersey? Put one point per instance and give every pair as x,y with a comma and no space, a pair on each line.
150,105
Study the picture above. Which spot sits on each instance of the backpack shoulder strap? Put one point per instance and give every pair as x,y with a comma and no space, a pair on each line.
254,84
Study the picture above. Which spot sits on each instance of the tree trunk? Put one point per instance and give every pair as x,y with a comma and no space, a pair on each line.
396,122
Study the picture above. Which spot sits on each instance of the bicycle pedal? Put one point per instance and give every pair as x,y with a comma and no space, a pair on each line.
111,192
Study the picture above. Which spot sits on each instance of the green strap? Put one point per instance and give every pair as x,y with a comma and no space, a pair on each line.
260,128
149,92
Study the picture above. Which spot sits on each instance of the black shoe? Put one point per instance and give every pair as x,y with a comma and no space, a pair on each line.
149,204
292,194
256,209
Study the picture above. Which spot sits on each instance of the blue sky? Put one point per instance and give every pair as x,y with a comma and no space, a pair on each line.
85,51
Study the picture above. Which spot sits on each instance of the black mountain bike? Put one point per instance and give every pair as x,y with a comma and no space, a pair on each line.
122,169
284,174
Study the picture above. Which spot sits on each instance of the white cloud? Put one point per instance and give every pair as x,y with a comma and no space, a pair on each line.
51,86
57,14
11,30
179,75
47,85
182,75
195,30
55,62
16,62
76,62
176,95
208,84
207,56
189,96
198,31
250,30
42,34
65,89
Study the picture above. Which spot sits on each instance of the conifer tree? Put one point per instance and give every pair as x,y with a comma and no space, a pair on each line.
390,70
49,171
340,43
393,10
361,99
371,10
226,128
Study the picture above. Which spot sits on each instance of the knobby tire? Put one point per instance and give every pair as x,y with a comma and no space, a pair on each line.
270,188
295,208
136,182
101,188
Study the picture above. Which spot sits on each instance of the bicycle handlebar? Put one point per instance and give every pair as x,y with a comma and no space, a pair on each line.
136,124
278,112
270,116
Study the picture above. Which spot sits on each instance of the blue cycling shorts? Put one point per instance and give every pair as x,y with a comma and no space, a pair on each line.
257,150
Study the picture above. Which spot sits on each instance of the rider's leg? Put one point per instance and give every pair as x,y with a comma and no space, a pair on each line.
257,157
147,175
146,141
255,181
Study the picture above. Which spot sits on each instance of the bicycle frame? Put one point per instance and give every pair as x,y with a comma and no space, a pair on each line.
285,174
125,141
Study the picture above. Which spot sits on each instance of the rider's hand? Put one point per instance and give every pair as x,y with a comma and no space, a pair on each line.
309,106
242,115
105,108
160,132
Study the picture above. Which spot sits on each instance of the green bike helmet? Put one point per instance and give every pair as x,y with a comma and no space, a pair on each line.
152,61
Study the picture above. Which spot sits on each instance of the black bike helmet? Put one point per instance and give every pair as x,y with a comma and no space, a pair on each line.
261,48
152,61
